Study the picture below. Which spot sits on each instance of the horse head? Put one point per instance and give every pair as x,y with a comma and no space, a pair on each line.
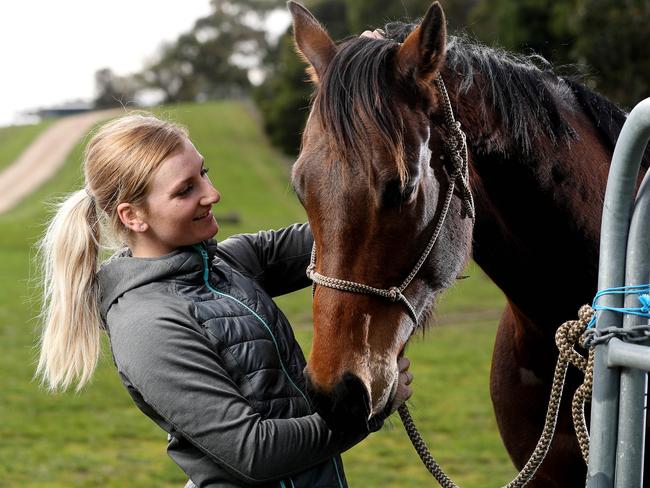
376,179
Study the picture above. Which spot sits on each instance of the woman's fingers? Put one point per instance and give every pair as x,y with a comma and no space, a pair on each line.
376,34
403,364
404,379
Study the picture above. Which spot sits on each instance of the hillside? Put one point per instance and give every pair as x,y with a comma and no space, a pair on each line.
14,140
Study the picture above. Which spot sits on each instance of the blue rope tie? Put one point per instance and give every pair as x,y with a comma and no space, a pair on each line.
644,299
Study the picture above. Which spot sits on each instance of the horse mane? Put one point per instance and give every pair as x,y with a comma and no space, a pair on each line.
606,117
353,100
522,92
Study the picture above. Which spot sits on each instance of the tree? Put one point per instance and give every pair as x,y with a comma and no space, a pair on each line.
544,27
213,58
112,90
606,38
194,70
370,14
613,42
283,98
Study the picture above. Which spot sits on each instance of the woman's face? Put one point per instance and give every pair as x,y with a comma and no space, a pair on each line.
178,206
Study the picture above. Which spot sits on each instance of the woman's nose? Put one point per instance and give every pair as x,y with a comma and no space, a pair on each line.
212,196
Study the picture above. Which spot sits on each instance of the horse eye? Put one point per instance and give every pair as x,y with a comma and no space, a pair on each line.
394,194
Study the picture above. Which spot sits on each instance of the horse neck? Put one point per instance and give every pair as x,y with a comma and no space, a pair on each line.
538,216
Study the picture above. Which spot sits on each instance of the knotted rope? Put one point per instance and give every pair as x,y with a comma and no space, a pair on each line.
456,148
566,337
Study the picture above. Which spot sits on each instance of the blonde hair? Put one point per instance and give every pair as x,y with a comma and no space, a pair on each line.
119,162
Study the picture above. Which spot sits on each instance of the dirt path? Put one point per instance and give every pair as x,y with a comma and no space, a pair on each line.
41,160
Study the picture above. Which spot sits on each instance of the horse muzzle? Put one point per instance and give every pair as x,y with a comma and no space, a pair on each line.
346,407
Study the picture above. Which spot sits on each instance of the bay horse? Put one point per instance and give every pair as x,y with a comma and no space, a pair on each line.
371,174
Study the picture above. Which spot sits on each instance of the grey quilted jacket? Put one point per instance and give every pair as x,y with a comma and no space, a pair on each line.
206,354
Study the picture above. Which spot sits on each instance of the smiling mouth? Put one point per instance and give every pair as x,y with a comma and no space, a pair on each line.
203,215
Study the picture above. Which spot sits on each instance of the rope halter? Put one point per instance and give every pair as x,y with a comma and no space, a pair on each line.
456,149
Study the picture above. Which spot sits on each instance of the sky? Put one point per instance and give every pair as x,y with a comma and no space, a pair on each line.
50,49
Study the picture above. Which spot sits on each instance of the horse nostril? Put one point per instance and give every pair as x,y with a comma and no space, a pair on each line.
346,407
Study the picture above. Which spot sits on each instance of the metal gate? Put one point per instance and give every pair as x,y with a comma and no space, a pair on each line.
618,408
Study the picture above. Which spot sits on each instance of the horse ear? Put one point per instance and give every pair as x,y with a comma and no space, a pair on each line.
423,51
313,42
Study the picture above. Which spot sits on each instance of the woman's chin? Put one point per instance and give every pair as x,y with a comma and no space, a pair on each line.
214,231
210,230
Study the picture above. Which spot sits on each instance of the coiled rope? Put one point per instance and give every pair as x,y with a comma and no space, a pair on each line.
566,337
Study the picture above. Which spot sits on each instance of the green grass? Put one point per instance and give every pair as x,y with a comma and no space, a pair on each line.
14,140
99,438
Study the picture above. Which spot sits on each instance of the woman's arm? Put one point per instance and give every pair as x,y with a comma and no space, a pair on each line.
277,259
183,387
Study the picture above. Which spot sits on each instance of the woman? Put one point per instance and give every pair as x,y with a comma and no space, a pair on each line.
195,336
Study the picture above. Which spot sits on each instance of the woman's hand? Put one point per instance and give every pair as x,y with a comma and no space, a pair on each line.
404,381
403,393
376,34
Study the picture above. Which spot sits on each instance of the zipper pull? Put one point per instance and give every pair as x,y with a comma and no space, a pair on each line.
204,256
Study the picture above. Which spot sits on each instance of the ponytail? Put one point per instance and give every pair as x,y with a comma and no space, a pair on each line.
119,162
69,252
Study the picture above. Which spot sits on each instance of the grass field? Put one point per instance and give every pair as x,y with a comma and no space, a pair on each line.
14,139
99,438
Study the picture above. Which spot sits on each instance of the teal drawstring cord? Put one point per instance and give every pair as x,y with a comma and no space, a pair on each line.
644,299
206,280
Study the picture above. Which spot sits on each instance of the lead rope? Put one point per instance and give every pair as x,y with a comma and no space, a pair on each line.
566,336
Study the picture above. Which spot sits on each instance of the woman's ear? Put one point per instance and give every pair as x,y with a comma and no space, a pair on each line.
132,218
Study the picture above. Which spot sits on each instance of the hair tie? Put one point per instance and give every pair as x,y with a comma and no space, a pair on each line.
90,195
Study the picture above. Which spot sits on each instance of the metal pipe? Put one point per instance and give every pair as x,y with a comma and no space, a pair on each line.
625,355
630,445
617,213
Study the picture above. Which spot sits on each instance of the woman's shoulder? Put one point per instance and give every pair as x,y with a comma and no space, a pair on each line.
150,305
145,279
147,320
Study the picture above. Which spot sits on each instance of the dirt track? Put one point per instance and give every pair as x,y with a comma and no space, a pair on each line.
41,160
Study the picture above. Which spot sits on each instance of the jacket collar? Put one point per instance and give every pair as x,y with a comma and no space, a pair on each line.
123,272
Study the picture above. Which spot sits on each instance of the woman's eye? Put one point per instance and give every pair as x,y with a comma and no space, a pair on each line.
188,189
185,190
